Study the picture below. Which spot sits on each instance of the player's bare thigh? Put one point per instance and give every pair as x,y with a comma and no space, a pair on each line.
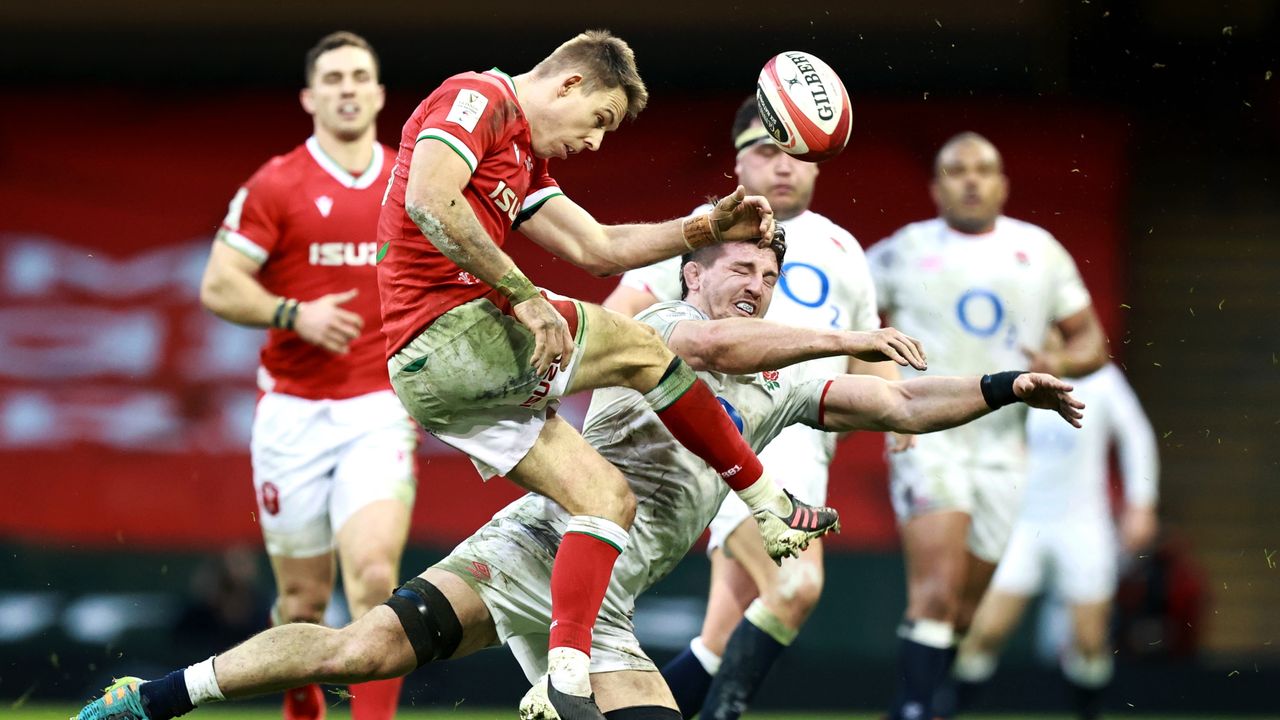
619,352
628,688
934,547
561,465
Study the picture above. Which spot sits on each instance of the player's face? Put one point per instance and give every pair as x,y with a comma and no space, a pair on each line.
764,169
737,283
575,121
969,187
344,96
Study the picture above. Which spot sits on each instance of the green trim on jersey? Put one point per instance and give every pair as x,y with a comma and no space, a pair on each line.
466,156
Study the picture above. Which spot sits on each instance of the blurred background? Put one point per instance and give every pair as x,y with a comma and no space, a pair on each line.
1145,135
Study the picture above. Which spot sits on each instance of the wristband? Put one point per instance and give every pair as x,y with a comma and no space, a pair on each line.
997,389
698,231
278,319
516,288
291,313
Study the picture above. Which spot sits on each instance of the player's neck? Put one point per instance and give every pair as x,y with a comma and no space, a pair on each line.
353,156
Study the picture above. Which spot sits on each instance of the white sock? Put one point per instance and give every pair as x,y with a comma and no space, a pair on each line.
709,660
202,683
764,494
762,617
1088,673
974,667
570,671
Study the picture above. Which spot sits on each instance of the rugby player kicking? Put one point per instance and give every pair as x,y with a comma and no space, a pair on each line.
493,588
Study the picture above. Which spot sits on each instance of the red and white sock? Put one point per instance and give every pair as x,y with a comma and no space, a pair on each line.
579,580
375,700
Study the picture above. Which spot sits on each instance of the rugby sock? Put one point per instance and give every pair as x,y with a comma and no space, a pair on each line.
579,579
923,664
1088,678
689,676
696,419
375,700
168,697
944,700
969,675
753,648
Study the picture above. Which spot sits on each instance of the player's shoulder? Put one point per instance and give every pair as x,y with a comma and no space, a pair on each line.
665,312
1023,230
905,240
827,231
283,170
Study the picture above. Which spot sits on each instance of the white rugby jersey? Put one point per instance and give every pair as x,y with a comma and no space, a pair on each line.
1067,467
677,492
825,283
974,301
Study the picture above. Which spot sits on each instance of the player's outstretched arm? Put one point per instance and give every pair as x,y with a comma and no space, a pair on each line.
739,346
434,201
230,290
566,230
926,404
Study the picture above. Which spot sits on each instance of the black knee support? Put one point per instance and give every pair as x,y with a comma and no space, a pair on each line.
428,620
643,712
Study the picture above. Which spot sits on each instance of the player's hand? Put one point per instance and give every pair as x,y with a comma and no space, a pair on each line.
1138,528
1039,361
744,217
1048,393
323,322
886,344
900,442
551,339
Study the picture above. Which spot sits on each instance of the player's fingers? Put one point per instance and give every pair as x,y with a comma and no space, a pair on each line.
910,351
339,298
353,318
888,350
539,358
566,354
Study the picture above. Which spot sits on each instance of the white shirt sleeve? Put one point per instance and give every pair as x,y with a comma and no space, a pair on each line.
1135,443
861,289
880,263
1069,294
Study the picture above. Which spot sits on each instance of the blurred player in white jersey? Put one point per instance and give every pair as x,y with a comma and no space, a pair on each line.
1065,538
755,608
494,587
332,447
979,290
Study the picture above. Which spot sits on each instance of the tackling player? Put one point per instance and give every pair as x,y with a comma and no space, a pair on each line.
1065,537
980,290
493,587
755,608
332,447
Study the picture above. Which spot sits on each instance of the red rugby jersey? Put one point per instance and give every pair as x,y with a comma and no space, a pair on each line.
312,225
479,117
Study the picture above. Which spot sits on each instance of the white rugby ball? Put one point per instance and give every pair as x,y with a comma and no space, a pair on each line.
804,106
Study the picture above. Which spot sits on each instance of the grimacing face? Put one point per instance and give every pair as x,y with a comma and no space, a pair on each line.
764,169
969,186
344,96
574,121
738,282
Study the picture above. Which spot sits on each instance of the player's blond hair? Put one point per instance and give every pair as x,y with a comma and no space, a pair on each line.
333,41
605,62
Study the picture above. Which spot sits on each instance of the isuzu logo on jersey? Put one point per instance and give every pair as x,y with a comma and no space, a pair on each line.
333,254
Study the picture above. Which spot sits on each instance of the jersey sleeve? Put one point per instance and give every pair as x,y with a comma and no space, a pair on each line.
882,262
661,279
542,187
252,223
1068,292
860,288
665,316
804,398
1135,442
470,115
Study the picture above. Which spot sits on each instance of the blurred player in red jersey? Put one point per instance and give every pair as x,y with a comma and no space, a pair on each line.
480,355
332,446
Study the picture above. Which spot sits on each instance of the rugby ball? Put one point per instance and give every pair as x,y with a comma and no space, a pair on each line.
804,106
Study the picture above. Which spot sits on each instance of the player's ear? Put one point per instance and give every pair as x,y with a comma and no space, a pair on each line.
1004,188
568,83
308,102
382,97
692,275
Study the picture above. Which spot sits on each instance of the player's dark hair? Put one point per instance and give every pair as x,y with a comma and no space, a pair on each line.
333,41
748,112
706,256
605,62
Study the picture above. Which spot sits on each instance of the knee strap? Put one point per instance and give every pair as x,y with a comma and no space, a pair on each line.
428,620
643,712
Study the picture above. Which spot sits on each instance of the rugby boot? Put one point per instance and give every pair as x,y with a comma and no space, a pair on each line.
787,536
304,703
120,701
545,702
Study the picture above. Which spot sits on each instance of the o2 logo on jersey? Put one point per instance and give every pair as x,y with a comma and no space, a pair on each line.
807,285
980,312
733,414
505,198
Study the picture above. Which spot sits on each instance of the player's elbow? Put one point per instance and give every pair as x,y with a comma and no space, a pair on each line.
711,347
215,293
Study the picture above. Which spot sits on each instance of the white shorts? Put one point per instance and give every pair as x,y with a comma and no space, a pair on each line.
1079,558
316,462
508,564
799,460
928,479
467,379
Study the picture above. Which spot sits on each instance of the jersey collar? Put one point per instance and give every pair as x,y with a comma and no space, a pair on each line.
339,173
505,79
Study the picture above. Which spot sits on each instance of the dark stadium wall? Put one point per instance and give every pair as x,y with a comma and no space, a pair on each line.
120,398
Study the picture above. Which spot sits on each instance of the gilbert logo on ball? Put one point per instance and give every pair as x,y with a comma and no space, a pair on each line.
804,106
